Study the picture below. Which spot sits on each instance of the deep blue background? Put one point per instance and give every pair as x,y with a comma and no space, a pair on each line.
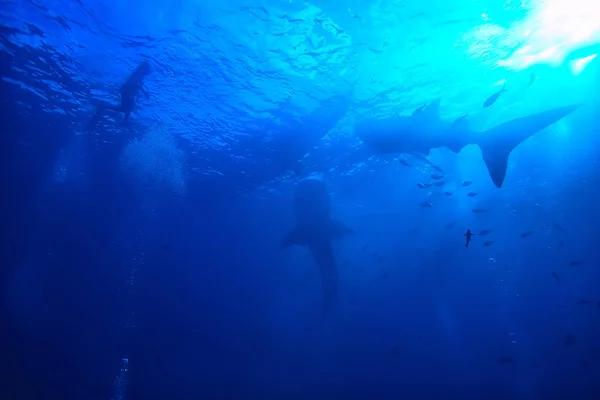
214,308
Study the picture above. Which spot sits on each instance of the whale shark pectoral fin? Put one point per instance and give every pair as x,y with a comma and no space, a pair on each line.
497,143
295,237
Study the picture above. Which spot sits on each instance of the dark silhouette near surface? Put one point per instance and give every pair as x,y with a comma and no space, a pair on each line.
130,92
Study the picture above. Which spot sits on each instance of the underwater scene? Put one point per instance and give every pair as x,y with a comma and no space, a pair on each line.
300,199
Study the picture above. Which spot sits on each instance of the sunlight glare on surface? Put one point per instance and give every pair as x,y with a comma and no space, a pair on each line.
554,29
578,65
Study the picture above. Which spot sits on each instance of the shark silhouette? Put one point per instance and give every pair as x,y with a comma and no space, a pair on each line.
425,131
316,229
281,153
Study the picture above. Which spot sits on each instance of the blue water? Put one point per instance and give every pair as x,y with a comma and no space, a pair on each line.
142,260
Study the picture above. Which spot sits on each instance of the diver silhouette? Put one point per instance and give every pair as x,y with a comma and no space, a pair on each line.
468,235
130,92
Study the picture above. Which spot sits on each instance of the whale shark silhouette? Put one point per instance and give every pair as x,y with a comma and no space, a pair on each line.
316,229
280,153
425,131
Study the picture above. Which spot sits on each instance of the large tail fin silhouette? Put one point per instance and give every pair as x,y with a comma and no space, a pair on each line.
318,237
497,143
323,254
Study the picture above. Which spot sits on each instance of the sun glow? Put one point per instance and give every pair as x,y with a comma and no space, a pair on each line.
554,30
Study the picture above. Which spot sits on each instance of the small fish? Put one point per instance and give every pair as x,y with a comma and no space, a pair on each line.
426,204
438,169
364,246
489,243
569,340
419,110
436,177
404,162
440,183
555,275
424,185
448,193
466,183
598,304
484,232
166,246
471,194
492,99
526,234
424,158
477,210
506,360
575,263
451,225
468,235
460,120
561,243
584,301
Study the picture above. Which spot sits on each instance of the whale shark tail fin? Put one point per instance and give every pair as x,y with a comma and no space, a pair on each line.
497,143
496,161
325,259
322,252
